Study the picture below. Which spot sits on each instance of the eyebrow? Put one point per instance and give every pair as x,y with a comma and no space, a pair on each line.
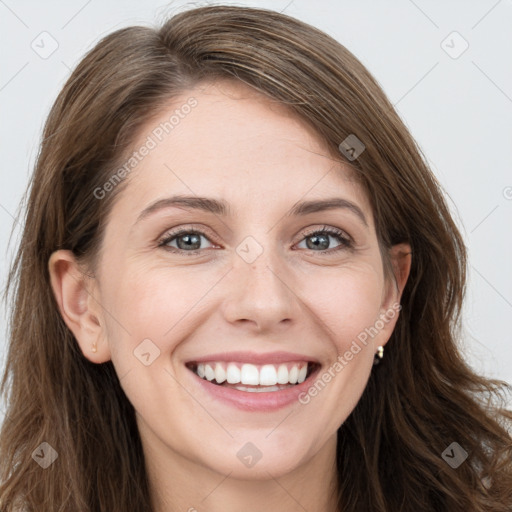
221,207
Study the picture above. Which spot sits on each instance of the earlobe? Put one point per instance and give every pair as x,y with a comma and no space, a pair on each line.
79,309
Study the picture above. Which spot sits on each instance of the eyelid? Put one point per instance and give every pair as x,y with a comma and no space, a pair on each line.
186,228
328,229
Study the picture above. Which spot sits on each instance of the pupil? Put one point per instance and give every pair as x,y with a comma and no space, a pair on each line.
323,244
191,241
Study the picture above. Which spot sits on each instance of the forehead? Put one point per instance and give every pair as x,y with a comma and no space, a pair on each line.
235,143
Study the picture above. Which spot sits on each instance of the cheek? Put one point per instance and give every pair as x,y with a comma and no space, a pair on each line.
151,311
346,307
344,302
154,304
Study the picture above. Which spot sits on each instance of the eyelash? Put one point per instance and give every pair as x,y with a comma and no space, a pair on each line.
346,242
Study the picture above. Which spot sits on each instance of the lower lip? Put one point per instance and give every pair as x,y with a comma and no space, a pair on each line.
256,401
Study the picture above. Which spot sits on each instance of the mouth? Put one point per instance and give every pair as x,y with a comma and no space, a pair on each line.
254,378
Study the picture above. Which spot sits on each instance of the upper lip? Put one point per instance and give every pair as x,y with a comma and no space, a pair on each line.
254,357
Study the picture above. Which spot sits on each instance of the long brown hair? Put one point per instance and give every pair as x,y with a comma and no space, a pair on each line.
423,396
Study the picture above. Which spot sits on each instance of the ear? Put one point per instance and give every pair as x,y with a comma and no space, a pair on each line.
400,256
74,292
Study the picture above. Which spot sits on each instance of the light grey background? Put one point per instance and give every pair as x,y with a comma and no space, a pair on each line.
458,106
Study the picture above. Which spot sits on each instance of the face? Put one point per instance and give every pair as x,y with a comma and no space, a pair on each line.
275,277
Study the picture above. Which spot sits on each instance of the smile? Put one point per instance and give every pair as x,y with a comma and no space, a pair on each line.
252,381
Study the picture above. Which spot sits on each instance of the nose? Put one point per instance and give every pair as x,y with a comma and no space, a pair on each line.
260,295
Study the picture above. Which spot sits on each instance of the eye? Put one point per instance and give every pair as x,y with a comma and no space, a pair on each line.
320,239
187,240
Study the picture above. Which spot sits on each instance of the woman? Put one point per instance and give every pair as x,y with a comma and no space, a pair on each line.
228,228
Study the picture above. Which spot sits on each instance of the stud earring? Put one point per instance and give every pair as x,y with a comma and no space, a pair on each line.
378,356
94,348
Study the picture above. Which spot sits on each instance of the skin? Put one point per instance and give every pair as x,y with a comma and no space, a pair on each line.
237,146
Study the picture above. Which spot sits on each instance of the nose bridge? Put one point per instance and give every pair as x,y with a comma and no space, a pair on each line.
259,289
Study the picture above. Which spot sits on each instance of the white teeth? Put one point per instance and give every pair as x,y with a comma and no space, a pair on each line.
208,372
220,373
253,375
302,374
233,374
282,374
250,375
268,375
